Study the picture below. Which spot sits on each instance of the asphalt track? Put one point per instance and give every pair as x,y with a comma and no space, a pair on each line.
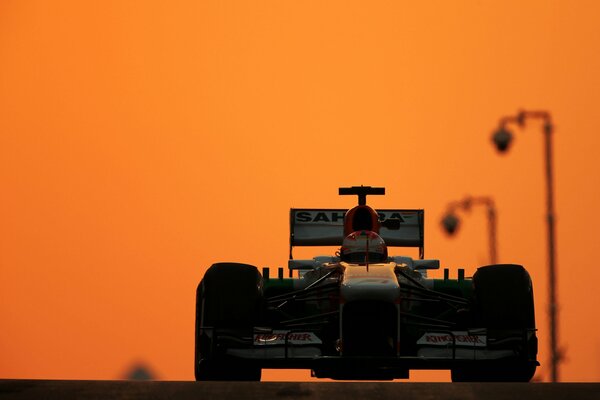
92,390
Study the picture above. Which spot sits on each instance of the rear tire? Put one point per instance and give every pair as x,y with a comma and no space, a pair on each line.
229,297
503,302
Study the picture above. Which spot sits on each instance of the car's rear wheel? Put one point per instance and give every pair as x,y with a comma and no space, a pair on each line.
228,299
503,304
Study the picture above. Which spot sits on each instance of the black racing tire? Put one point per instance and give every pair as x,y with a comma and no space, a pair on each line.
228,297
212,370
503,301
503,373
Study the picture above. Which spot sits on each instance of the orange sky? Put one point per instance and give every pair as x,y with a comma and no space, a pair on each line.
141,141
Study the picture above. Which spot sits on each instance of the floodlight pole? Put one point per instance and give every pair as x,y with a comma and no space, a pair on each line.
488,202
548,128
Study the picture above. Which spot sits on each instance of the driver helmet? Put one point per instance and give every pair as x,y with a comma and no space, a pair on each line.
361,247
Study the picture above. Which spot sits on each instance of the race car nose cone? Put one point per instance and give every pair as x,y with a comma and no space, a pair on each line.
378,283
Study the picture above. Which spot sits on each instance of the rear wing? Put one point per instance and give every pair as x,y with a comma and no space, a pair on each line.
325,227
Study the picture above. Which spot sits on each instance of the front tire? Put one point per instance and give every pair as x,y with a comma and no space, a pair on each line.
503,304
229,297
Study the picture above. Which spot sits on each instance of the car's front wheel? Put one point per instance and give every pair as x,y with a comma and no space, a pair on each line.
503,304
228,299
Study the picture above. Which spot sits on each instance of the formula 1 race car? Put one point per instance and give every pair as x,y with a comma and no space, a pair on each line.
363,313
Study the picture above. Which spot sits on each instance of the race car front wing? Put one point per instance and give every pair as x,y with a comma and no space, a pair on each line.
302,349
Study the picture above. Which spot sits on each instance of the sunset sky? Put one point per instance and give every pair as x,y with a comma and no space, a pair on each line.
142,141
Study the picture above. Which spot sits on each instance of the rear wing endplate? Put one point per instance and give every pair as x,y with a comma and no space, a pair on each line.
325,227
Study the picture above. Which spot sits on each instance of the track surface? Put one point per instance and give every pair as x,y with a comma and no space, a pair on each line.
91,390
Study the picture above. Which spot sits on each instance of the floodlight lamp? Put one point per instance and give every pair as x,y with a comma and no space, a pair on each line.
450,223
502,139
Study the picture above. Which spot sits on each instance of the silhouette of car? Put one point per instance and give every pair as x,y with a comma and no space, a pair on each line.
362,313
